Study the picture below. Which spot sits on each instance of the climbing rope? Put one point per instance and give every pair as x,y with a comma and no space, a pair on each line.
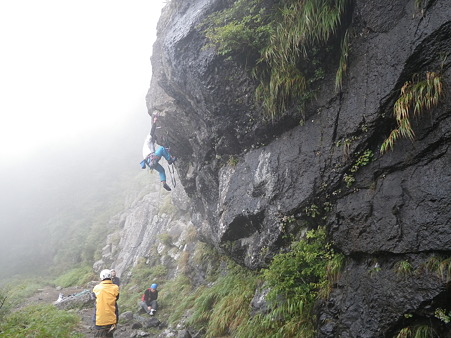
172,174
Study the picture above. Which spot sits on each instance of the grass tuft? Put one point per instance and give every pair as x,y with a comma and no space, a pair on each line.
302,24
403,268
343,64
417,97
224,306
40,321
282,39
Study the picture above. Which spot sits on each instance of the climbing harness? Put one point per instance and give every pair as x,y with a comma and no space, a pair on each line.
151,160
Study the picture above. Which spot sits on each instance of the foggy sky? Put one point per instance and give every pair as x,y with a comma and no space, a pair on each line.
72,112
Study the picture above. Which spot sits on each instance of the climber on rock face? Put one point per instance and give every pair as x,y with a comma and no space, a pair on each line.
152,157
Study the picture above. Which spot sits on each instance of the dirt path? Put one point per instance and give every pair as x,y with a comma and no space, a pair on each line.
48,295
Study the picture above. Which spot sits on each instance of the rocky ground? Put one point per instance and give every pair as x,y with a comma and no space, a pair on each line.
78,299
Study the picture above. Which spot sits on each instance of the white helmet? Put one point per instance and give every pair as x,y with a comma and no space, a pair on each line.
105,274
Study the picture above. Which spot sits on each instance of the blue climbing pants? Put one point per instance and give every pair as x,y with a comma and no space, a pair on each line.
161,152
158,167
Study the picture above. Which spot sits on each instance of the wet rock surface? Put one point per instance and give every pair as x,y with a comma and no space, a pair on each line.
398,207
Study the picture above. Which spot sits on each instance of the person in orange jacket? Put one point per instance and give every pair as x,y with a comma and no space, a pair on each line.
105,312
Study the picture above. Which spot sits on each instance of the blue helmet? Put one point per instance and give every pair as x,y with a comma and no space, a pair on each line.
154,286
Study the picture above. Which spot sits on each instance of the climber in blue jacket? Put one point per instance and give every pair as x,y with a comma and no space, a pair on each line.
152,156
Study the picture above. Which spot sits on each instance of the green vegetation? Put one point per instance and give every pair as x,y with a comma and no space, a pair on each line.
343,61
297,279
285,40
16,291
442,315
364,159
418,331
345,143
285,222
417,97
439,265
349,180
218,308
4,304
142,276
420,4
40,321
241,29
300,26
33,320
224,306
178,296
166,239
166,206
78,276
312,211
403,268
232,161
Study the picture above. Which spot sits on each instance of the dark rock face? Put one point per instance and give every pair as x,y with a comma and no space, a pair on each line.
397,209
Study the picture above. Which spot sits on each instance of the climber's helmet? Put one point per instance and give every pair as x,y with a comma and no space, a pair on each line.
154,286
105,274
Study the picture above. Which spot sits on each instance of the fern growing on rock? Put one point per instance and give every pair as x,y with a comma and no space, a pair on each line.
417,97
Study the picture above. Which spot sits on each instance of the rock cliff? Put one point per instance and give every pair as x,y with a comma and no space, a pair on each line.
243,173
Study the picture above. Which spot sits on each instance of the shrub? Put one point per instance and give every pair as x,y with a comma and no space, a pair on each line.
242,29
296,280
166,239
